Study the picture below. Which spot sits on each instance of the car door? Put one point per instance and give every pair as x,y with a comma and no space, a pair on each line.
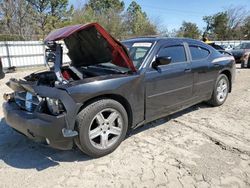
169,86
203,76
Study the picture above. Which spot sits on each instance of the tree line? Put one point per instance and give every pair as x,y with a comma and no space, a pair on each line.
232,24
34,19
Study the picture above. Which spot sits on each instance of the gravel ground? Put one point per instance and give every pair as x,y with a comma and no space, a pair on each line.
198,147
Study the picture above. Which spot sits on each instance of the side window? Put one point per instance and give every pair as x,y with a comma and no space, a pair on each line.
198,52
177,53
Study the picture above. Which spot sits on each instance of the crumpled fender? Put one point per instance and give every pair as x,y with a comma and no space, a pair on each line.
70,105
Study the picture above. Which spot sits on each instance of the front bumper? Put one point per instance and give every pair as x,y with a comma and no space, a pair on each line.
38,126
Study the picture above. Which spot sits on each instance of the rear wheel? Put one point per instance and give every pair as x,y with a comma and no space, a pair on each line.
220,91
102,126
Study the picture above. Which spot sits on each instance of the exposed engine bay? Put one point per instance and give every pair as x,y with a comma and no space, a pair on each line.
67,74
59,74
32,93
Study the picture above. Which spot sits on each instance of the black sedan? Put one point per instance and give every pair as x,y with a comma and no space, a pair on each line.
110,87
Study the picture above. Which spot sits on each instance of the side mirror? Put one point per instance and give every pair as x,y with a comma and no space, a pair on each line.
164,60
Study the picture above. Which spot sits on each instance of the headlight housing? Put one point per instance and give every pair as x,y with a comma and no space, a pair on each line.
55,106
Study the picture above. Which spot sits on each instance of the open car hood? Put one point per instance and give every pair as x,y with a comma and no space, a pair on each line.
91,44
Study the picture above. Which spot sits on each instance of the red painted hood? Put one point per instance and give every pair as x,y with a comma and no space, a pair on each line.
91,44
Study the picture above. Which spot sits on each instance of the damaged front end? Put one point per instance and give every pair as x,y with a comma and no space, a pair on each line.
41,112
40,107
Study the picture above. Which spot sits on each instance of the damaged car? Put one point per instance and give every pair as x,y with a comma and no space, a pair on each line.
111,87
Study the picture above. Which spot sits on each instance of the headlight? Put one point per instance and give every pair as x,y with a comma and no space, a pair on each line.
55,106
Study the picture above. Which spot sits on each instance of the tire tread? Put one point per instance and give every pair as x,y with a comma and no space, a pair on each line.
84,114
213,100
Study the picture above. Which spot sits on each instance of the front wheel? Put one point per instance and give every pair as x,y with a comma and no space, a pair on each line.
102,126
220,91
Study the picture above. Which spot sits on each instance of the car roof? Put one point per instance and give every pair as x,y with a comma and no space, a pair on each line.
162,39
170,40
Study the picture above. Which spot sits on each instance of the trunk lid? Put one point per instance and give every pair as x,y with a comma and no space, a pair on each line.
91,44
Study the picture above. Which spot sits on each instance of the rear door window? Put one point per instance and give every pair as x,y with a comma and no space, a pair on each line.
177,53
198,52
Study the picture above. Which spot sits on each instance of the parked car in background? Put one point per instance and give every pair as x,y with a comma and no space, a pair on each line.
1,69
112,87
241,54
227,47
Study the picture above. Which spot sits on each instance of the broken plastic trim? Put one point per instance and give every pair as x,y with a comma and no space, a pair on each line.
69,133
70,105
57,51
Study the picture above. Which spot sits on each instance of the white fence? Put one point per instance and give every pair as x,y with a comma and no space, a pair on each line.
231,42
25,53
31,53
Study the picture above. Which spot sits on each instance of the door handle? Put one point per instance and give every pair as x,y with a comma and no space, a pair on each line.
187,70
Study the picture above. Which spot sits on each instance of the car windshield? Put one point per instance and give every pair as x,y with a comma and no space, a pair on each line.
138,51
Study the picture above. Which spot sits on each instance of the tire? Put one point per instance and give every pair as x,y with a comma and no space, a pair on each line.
99,133
217,98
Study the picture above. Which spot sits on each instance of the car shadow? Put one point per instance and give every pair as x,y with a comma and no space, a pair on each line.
20,152
165,119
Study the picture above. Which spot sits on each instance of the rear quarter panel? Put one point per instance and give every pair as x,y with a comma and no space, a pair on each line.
224,64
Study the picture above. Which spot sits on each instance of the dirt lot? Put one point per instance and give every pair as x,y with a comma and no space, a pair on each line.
198,147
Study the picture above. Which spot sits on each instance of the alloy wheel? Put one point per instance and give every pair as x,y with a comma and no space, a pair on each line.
222,90
106,128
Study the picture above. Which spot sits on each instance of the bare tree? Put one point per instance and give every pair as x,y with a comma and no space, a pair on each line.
16,18
236,16
23,19
7,12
